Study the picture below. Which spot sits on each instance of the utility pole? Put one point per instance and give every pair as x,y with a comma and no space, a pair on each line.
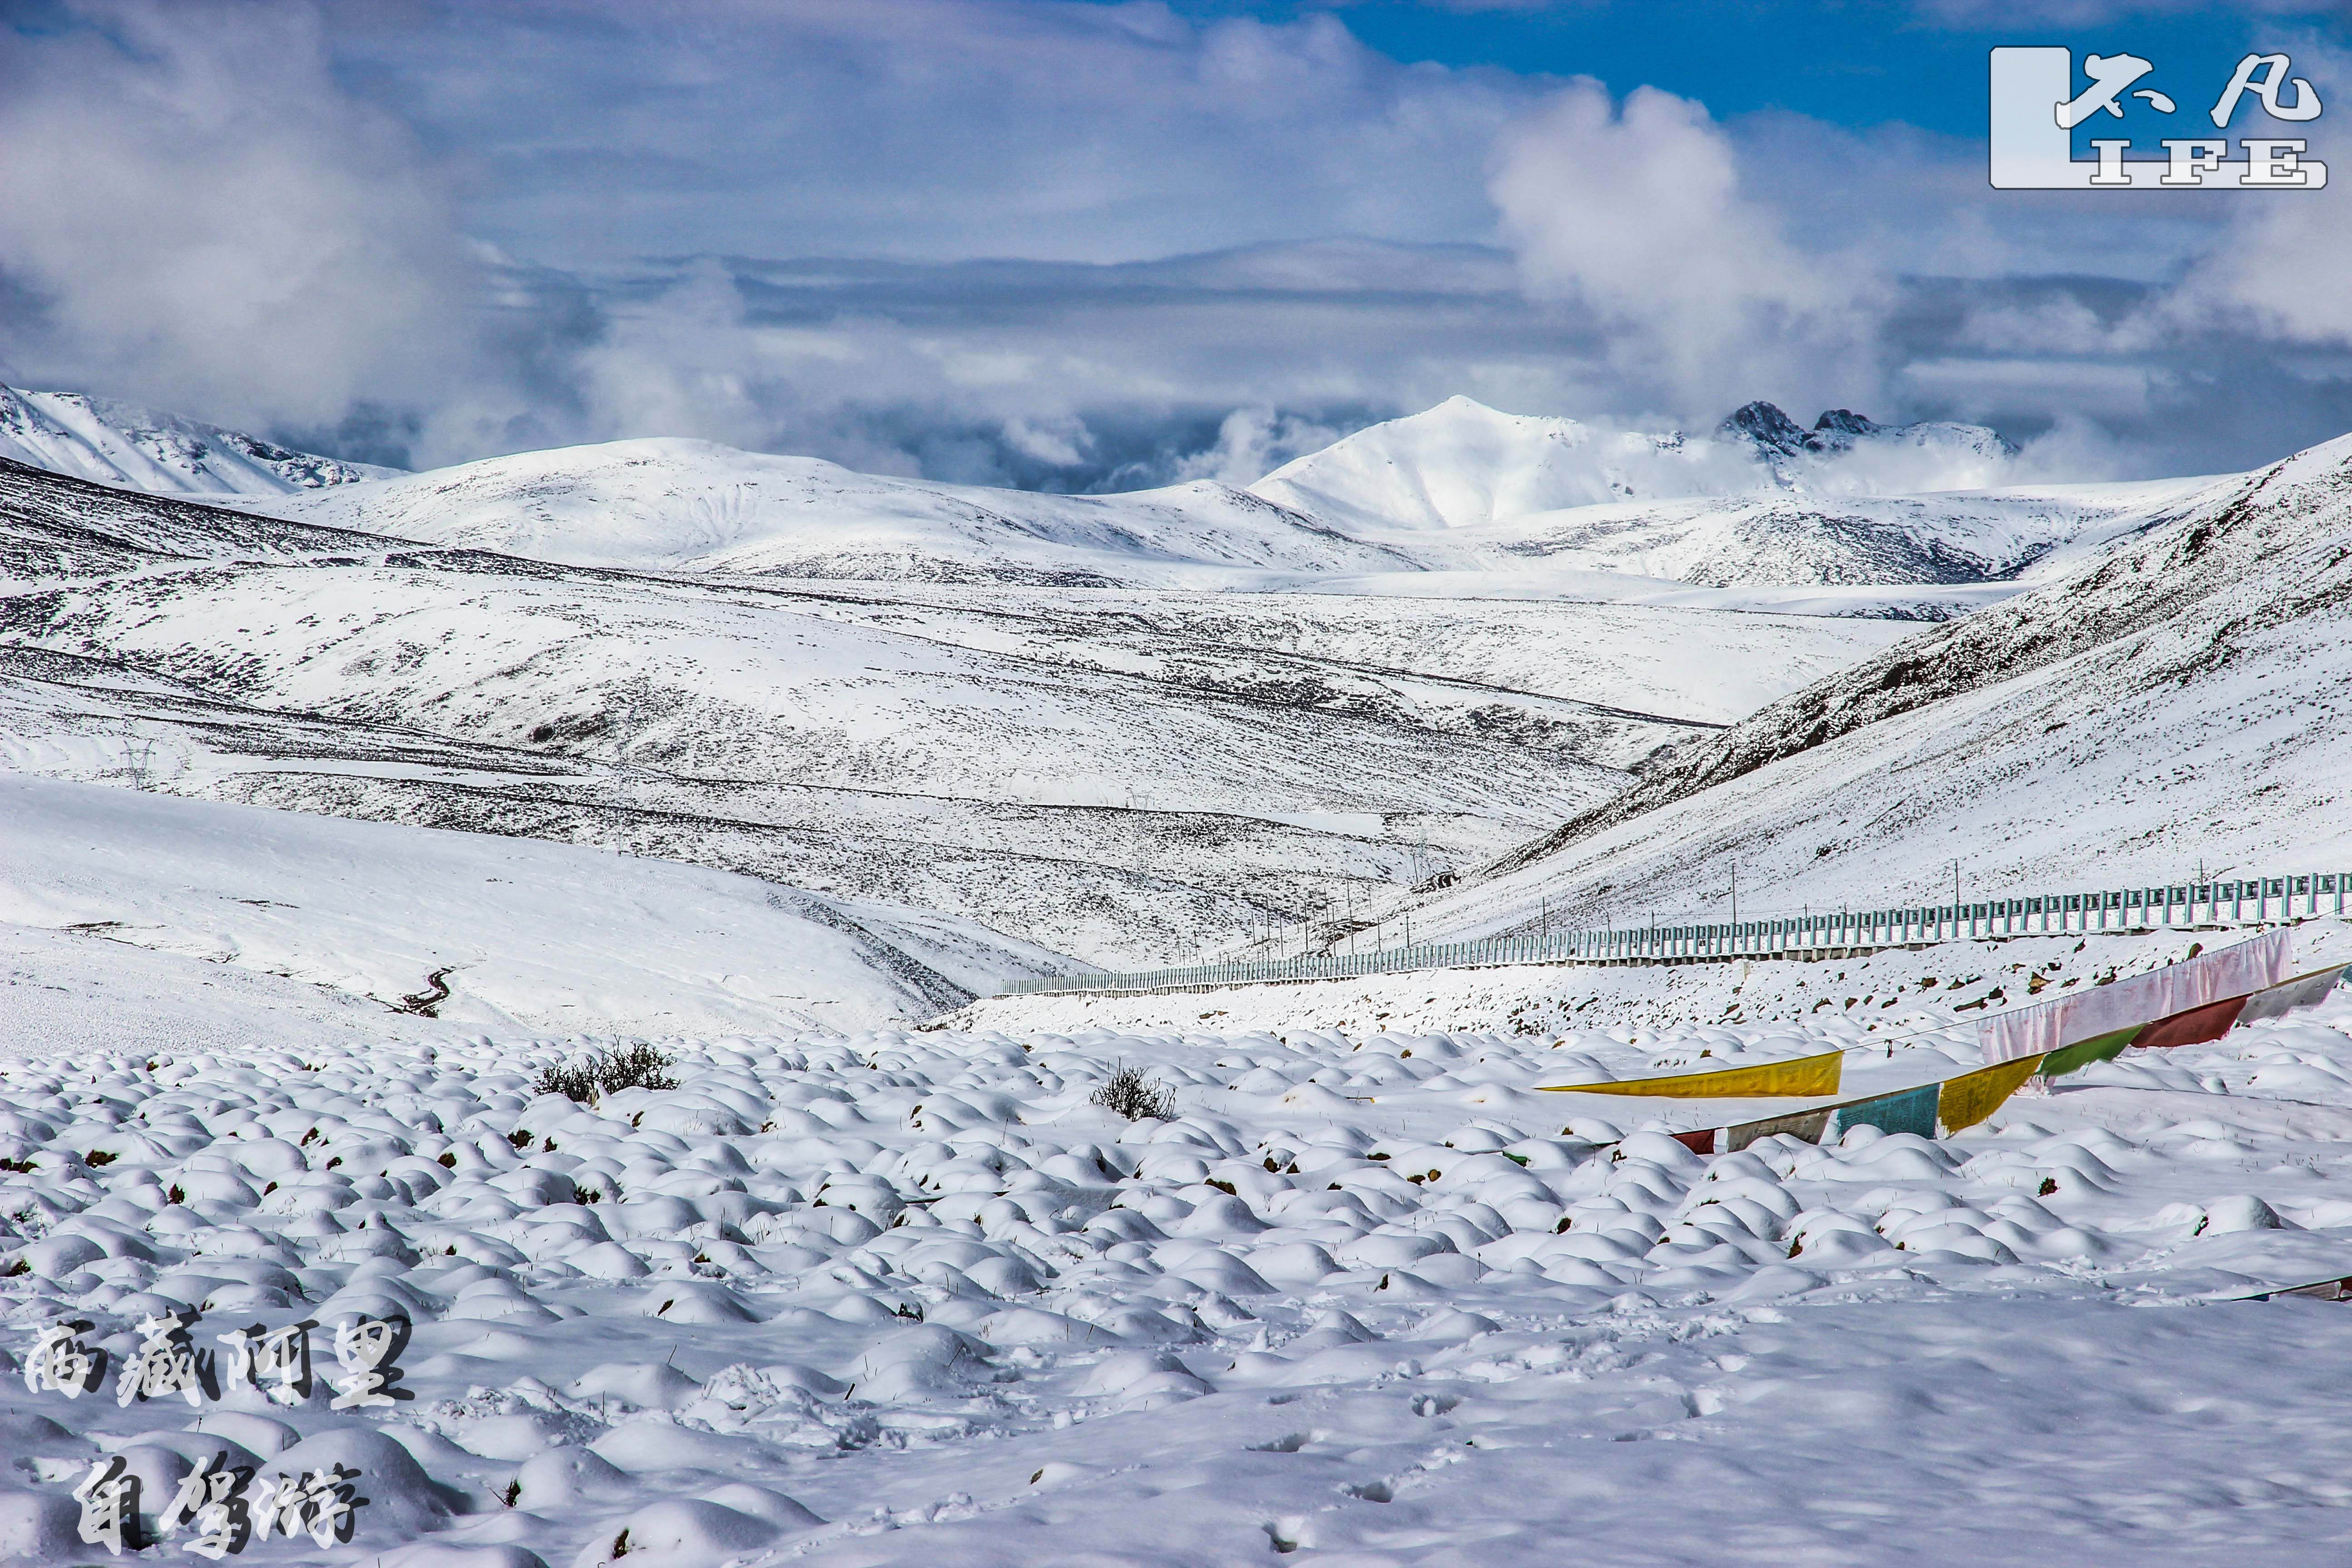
1735,898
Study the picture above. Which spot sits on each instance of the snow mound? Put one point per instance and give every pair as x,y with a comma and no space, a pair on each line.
1258,1315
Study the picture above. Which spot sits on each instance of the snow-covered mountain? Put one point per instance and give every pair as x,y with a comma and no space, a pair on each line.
1049,716
165,454
2180,701
1846,451
1463,465
1480,502
1460,501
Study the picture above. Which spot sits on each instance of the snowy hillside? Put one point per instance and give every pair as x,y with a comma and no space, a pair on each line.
1954,538
1122,777
679,505
164,454
2180,701
516,934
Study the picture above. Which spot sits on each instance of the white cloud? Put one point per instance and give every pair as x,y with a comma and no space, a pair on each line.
1231,237
1253,442
2284,267
1058,440
1636,212
1035,373
930,129
205,218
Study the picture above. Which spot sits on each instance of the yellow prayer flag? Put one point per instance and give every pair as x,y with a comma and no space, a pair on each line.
1973,1096
1804,1075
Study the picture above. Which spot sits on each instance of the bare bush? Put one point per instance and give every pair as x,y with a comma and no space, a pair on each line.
639,1067
607,1072
1131,1094
574,1083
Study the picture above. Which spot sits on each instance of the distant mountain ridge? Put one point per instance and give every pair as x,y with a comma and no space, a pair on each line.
1840,431
131,447
1460,498
1464,465
1850,518
672,504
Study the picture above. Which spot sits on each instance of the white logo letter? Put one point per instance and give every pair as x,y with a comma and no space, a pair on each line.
2193,161
2276,164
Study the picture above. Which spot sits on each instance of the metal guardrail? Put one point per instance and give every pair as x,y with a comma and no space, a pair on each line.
2267,901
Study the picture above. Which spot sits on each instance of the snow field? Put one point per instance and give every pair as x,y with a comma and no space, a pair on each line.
1895,992
910,1297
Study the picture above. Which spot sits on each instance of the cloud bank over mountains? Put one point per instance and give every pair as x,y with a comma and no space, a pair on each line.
1072,247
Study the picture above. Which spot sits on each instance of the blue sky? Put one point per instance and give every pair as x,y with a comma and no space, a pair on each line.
1842,62
1852,64
1073,244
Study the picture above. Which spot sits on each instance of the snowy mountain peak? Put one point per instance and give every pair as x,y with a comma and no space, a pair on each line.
137,448
1846,422
1764,424
1776,439
1464,465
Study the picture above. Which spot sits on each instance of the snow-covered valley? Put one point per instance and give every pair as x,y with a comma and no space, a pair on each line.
1119,776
